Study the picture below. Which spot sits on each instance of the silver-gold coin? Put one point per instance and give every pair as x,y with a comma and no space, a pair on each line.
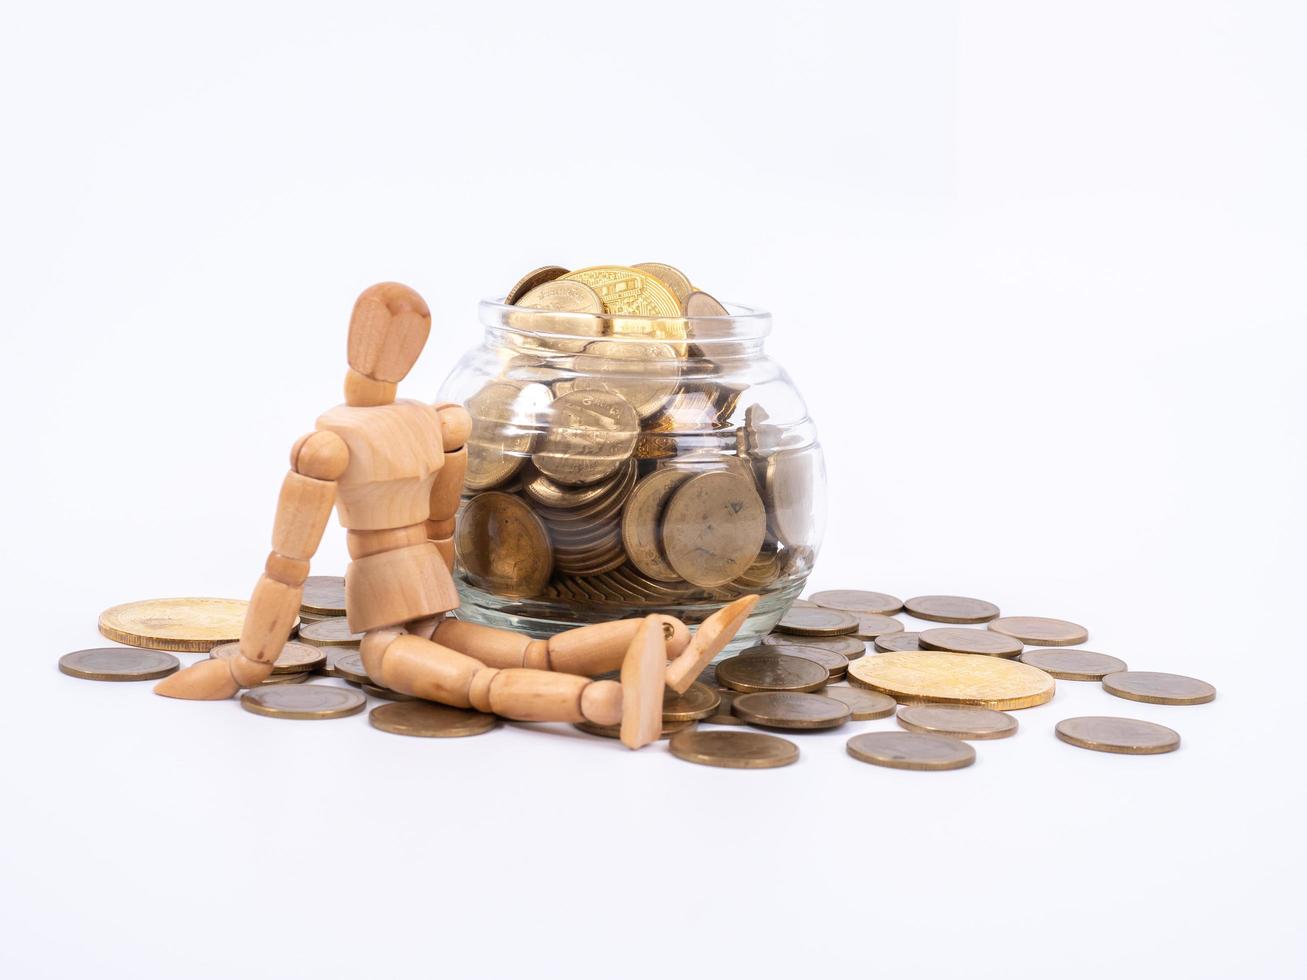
118,664
304,702
817,622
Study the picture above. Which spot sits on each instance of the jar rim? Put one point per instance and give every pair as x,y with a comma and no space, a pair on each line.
742,323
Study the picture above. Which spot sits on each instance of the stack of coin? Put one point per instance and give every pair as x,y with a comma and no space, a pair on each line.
612,463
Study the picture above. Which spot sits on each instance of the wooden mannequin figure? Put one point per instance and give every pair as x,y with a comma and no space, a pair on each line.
393,469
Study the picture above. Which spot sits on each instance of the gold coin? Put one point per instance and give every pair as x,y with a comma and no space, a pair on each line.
849,647
953,678
503,546
911,750
304,702
534,278
1039,631
184,625
670,276
1156,688
858,601
561,315
791,709
836,664
734,750
817,622
506,417
294,657
1073,665
951,609
296,678
896,642
564,296
118,664
333,632
645,374
872,625
957,720
698,701
789,481
588,503
350,667
631,292
1125,736
724,715
324,595
863,705
333,654
771,672
670,728
713,528
642,523
590,435
426,719
960,639
699,304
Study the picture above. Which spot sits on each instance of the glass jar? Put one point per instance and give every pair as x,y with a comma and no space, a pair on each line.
623,465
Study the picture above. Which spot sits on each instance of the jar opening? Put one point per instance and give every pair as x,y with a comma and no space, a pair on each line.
742,325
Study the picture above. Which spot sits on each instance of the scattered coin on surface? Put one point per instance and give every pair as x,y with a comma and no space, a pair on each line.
351,668
183,625
849,647
953,678
911,750
864,705
897,642
734,750
951,609
1039,631
771,672
333,632
1073,665
835,663
791,709
817,622
118,664
324,595
960,639
426,719
958,720
293,659
385,693
304,702
1157,688
670,728
1126,736
858,601
698,701
872,625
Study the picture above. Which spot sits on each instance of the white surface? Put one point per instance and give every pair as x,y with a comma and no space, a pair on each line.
1037,267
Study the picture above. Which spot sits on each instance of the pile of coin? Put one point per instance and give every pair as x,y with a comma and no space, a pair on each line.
614,461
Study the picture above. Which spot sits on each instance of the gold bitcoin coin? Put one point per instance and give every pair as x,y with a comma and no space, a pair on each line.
294,657
425,719
506,417
333,632
858,601
118,664
183,625
951,609
324,595
1039,631
698,701
713,528
629,292
958,720
1125,736
1073,665
817,622
863,705
642,523
911,750
953,678
734,750
534,278
960,639
771,672
895,642
304,702
790,709
590,435
503,545
1156,688
670,276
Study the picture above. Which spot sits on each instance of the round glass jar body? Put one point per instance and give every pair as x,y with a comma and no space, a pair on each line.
622,465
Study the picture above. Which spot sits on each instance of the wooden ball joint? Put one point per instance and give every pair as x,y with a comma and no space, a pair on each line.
392,469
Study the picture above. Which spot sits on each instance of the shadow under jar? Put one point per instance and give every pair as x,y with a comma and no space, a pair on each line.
623,465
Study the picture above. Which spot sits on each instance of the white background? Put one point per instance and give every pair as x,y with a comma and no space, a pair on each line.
1038,269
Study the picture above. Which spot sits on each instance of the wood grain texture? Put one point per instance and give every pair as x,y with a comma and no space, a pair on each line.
387,331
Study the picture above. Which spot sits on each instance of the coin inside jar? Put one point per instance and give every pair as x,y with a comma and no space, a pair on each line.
590,434
1125,736
713,528
673,278
642,523
1073,665
960,639
958,720
791,709
789,481
1158,688
733,750
118,664
505,418
858,601
951,609
643,373
817,622
771,672
503,546
911,750
546,273
1041,631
